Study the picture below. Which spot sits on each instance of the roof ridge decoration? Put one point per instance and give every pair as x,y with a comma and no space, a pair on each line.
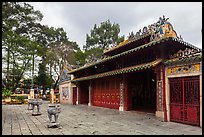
161,29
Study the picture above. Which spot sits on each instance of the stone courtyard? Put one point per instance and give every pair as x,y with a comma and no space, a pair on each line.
85,120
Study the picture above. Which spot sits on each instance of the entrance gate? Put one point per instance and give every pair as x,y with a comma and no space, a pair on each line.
185,100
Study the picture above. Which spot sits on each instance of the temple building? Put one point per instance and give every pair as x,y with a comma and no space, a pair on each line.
67,89
153,71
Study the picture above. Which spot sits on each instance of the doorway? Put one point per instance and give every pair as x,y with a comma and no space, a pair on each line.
84,92
142,91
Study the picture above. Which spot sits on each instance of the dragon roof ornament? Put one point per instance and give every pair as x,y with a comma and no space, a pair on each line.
161,29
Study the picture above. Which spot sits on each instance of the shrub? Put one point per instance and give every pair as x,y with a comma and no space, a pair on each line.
20,98
6,93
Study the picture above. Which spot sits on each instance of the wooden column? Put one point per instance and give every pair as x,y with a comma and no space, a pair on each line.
164,94
159,93
78,101
200,78
89,104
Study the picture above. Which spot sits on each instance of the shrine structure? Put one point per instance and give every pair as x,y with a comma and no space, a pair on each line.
67,89
153,71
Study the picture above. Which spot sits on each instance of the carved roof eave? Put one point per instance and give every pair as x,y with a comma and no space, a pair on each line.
186,44
121,71
184,61
152,43
130,41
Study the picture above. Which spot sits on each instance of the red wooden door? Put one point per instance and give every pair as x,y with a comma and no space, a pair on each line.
185,100
74,95
106,93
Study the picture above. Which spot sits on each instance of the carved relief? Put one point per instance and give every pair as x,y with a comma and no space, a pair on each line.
121,94
159,96
185,54
183,69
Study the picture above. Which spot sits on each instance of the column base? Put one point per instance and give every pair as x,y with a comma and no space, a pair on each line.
160,115
121,108
77,102
89,104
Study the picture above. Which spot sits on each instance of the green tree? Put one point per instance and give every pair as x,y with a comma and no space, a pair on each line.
42,76
63,54
18,28
102,37
26,83
79,58
53,42
24,39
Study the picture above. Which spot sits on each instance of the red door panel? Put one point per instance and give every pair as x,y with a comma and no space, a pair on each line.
185,100
106,93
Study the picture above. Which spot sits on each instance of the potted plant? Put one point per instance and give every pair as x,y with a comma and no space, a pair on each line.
7,95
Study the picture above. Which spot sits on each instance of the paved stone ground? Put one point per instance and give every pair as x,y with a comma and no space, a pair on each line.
85,120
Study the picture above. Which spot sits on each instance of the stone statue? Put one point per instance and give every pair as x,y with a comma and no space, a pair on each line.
144,30
138,33
131,35
53,110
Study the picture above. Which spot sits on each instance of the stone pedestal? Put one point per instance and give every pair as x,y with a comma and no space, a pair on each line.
32,94
52,96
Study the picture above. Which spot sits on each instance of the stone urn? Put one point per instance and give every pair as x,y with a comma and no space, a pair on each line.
37,103
53,110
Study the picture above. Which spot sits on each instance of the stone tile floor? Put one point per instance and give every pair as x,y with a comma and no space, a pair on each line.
85,120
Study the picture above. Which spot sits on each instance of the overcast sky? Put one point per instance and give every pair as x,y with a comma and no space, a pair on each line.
78,18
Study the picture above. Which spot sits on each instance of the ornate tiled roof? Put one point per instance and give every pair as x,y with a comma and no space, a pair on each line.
64,76
161,28
159,32
152,43
121,71
128,42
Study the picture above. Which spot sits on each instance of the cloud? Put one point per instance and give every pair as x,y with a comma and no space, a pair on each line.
78,18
